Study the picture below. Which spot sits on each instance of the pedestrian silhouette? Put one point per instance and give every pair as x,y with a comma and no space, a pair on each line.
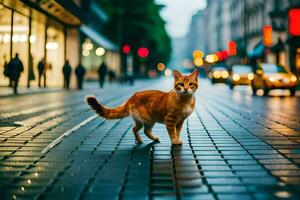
14,69
5,72
67,74
102,74
80,72
31,75
111,76
42,71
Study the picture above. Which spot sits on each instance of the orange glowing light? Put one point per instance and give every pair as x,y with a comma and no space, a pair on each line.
267,33
161,66
231,48
197,54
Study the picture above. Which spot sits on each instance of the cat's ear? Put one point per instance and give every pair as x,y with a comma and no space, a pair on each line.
194,74
177,74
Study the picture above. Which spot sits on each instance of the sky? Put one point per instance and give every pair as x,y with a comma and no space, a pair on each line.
178,13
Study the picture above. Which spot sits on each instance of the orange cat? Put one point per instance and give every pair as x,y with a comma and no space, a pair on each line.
148,107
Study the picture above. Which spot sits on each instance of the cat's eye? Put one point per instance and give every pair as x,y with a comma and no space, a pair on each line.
191,84
181,84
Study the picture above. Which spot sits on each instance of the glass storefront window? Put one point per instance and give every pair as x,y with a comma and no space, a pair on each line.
5,28
20,43
37,42
55,53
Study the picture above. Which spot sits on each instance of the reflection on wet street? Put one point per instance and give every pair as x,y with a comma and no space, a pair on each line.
236,146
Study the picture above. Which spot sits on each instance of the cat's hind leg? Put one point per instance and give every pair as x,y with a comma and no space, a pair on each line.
136,128
148,131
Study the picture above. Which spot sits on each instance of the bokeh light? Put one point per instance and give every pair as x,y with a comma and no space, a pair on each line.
168,72
100,51
197,54
126,49
198,61
161,66
143,52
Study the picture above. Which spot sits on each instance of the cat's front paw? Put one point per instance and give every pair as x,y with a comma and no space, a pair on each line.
156,139
176,142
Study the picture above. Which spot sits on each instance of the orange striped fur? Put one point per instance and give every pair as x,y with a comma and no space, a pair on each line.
151,106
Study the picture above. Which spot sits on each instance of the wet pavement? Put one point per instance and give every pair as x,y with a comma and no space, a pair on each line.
235,147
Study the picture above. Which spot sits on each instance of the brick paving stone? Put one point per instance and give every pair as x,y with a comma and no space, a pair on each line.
233,149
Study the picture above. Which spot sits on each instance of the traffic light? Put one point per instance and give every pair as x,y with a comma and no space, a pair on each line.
126,49
267,33
294,22
231,48
143,52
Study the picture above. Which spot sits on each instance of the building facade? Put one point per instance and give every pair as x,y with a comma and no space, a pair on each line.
51,30
242,21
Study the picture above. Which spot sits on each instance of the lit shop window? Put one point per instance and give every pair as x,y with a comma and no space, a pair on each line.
5,27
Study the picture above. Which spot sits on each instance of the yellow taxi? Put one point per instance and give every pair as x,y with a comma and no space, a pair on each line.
271,76
240,75
218,74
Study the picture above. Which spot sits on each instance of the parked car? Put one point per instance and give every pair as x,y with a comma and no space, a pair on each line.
218,74
240,75
272,76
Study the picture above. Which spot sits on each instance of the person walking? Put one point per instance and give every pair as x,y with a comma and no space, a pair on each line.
80,72
31,75
42,71
14,70
67,74
102,73
5,72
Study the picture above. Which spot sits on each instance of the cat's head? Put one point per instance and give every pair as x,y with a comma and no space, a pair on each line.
186,84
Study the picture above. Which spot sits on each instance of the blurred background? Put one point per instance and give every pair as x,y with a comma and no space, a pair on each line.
146,38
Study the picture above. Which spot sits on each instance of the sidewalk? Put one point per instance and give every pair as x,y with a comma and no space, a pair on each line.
7,91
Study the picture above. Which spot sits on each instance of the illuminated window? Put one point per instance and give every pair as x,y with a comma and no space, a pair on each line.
20,44
5,26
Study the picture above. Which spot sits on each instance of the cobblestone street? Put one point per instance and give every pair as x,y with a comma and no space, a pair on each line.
236,146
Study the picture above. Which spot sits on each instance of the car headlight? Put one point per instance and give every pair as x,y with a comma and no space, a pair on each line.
250,76
235,77
272,79
293,78
217,74
286,80
224,74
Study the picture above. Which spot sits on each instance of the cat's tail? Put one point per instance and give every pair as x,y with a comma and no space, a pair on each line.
108,113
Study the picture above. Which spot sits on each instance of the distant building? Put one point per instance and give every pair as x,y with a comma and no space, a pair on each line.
195,38
247,21
210,28
178,52
242,21
55,30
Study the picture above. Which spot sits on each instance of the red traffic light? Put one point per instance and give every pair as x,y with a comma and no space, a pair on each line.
294,25
231,48
267,33
143,52
126,49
